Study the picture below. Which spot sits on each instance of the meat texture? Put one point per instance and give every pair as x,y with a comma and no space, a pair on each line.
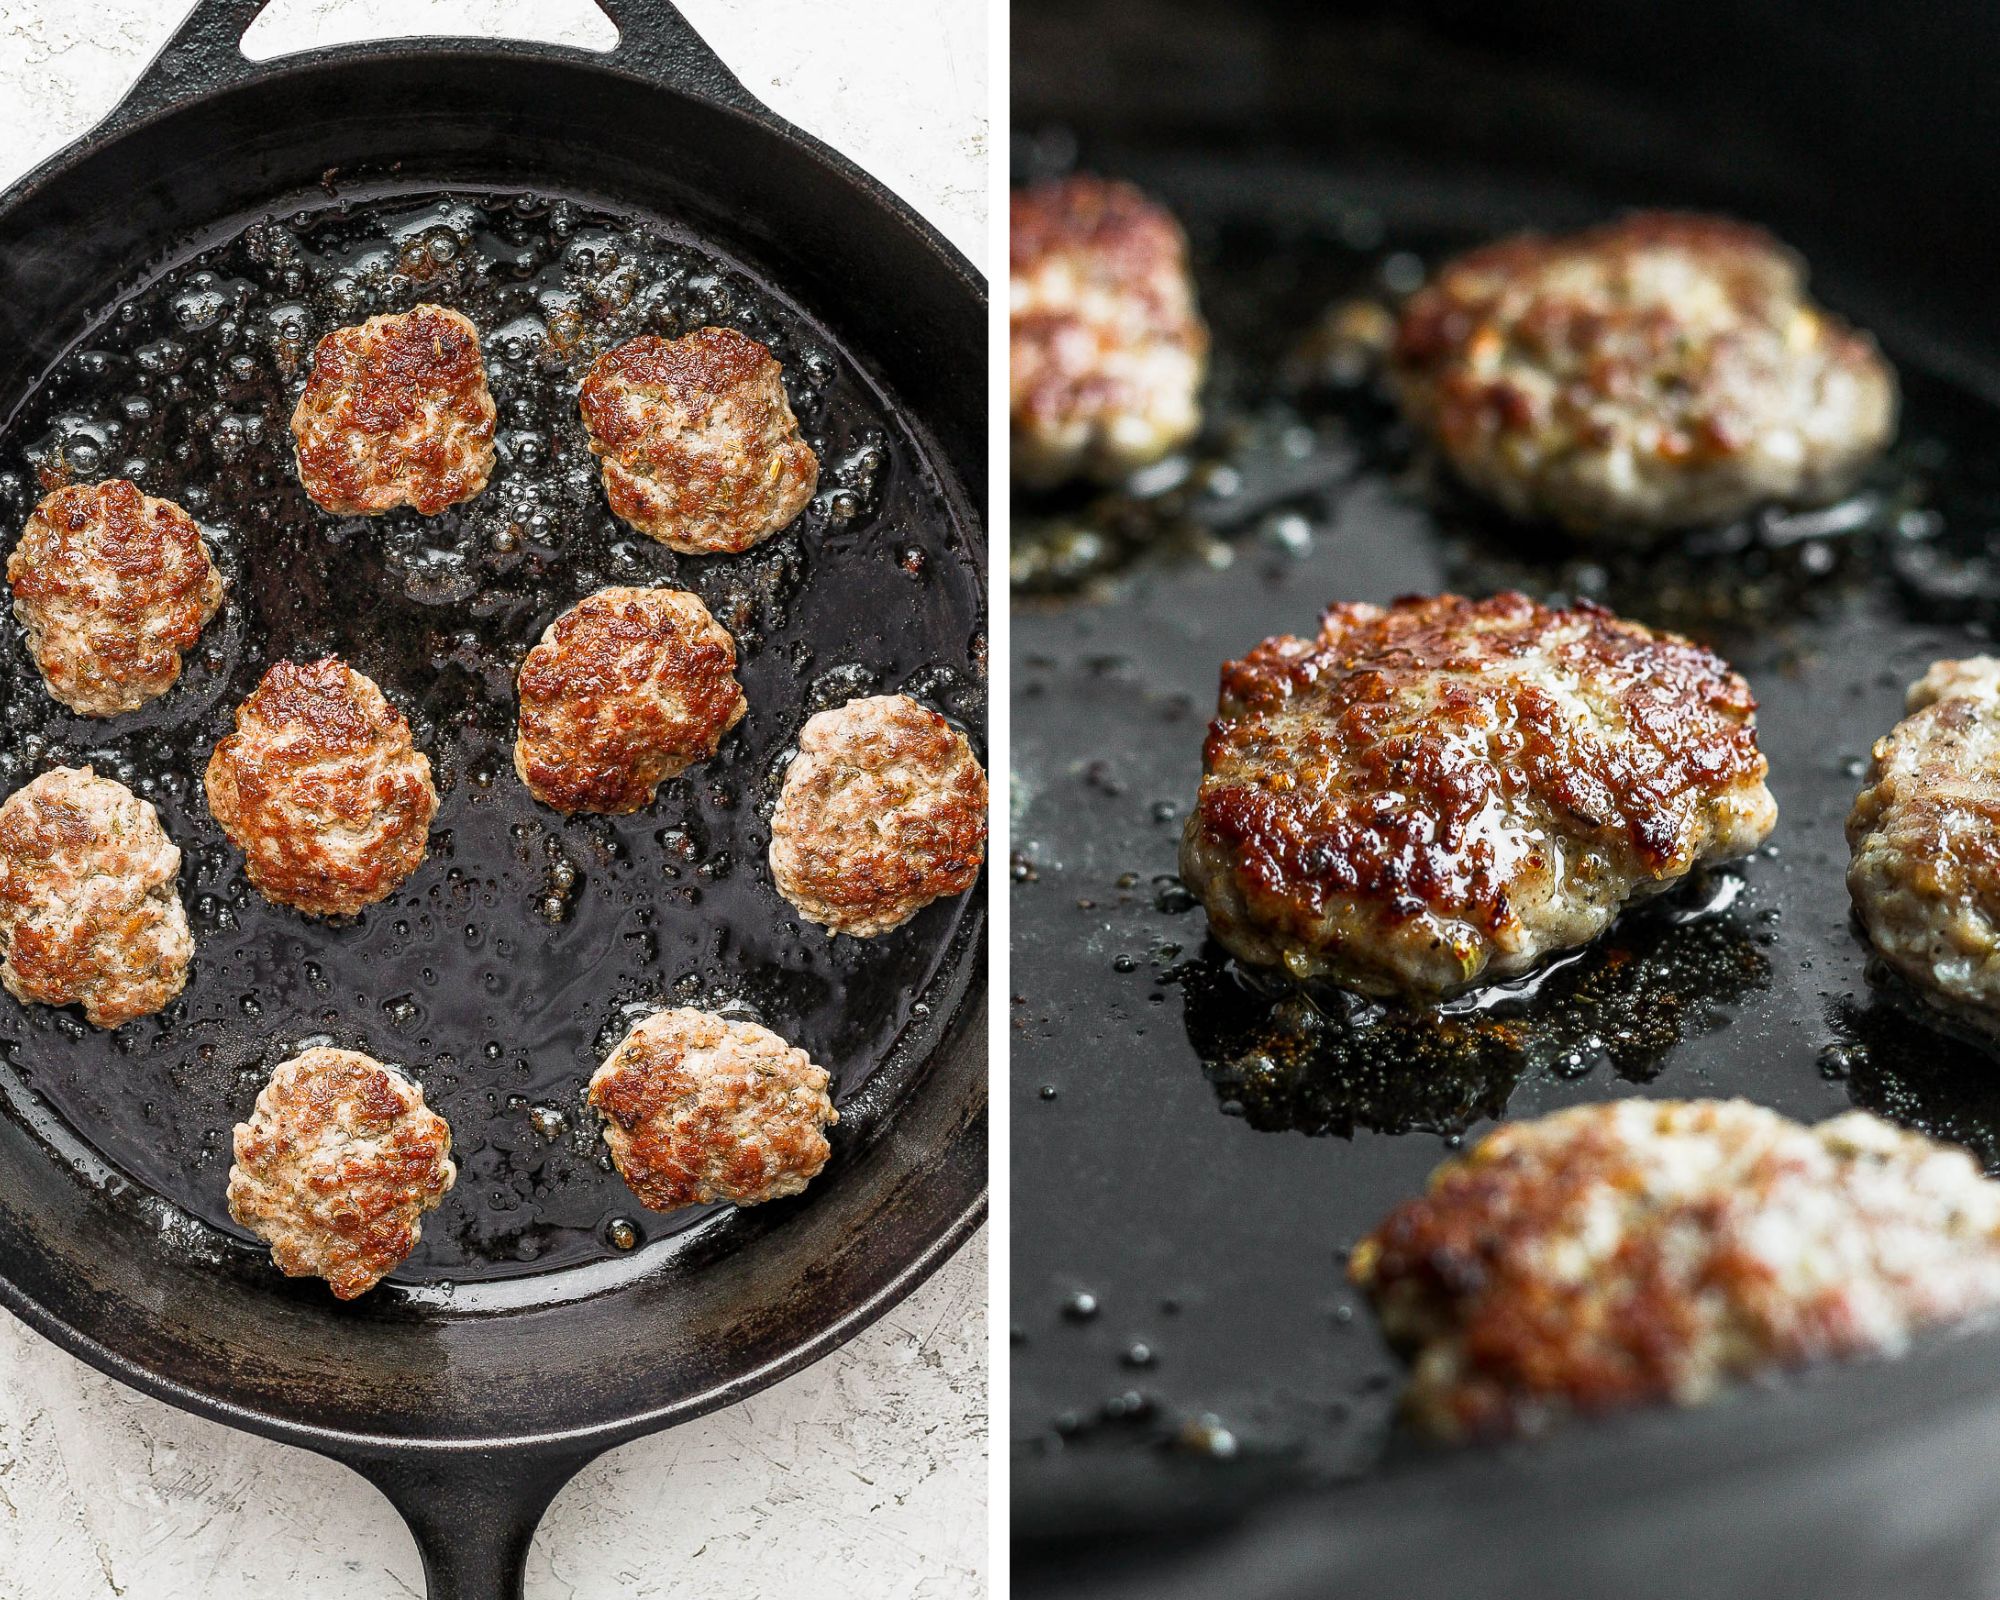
1659,1251
322,790
1656,372
90,910
699,1108
1442,792
1106,349
627,689
113,588
883,810
699,445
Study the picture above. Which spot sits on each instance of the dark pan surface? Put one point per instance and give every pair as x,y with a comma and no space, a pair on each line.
1194,1153
507,966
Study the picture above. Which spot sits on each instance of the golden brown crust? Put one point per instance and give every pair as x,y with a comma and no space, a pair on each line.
336,1168
627,688
1446,788
1641,1251
698,1108
1656,371
883,811
322,789
113,587
90,910
699,445
396,412
1105,349
1925,838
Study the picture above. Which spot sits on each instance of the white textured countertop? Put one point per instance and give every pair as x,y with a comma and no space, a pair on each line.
865,1476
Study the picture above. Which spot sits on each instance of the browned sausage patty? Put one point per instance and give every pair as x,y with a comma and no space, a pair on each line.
322,790
1925,837
113,587
1106,351
90,913
627,688
1443,791
700,447
1643,1251
337,1166
697,1108
1654,372
396,412
883,810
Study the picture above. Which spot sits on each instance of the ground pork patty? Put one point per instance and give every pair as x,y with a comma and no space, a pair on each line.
627,688
322,790
1106,350
1925,839
396,412
700,448
1649,1250
90,913
698,1107
1654,372
1442,791
337,1166
883,810
113,587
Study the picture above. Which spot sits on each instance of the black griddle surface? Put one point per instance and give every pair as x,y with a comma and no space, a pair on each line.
1194,1155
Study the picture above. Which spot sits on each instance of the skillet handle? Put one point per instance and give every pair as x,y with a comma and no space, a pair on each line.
473,1514
654,41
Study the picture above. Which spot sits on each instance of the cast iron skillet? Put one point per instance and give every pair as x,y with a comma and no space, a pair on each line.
503,1356
1194,1155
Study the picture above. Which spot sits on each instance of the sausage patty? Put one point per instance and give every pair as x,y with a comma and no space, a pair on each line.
700,447
883,810
1443,791
396,412
89,910
1925,839
1647,1250
627,688
336,1167
113,587
322,790
1654,372
698,1108
1106,351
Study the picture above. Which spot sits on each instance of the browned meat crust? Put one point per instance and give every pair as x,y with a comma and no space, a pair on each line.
700,447
1925,837
883,811
90,910
1654,372
627,688
698,1108
396,412
1642,1251
1444,790
113,587
1106,350
337,1166
322,790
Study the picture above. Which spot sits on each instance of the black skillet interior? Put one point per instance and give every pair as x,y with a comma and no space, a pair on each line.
505,969
1194,1151
166,275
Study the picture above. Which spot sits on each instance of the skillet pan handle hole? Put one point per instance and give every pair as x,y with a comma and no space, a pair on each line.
286,27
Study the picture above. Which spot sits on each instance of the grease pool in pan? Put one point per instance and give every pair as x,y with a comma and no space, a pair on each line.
517,955
1192,1154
